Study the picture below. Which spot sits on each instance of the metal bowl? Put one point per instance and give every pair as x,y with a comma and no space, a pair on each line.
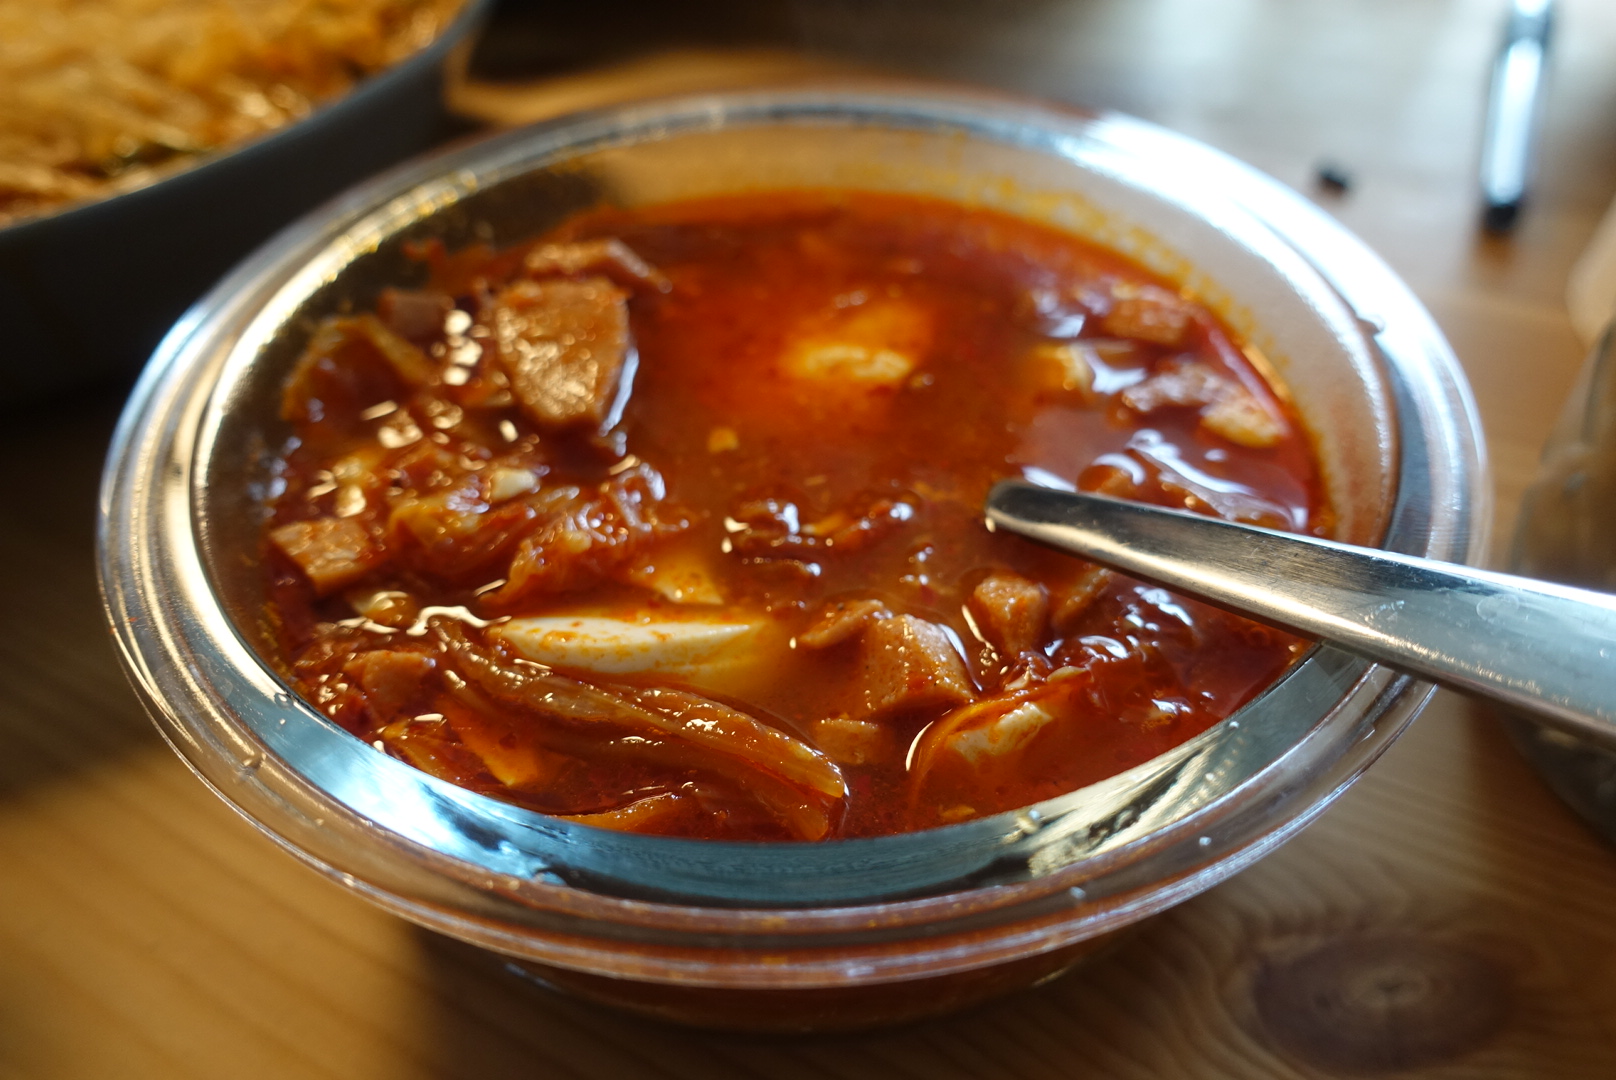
783,935
87,292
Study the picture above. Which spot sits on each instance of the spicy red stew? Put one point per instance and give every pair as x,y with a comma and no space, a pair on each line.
671,520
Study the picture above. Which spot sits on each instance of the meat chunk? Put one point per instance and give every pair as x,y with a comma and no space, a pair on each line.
609,257
1147,313
456,533
413,313
390,678
564,345
847,533
331,552
353,362
1229,500
581,538
909,663
770,528
1011,611
1180,383
1227,408
1243,420
407,362
841,620
341,372
854,742
1076,596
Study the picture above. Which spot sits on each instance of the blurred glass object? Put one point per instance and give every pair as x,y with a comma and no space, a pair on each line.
1591,288
1567,533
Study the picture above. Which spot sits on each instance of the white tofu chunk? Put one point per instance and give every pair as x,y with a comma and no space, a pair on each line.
851,361
876,344
697,650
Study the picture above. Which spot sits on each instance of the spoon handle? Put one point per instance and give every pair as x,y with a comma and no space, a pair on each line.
1549,649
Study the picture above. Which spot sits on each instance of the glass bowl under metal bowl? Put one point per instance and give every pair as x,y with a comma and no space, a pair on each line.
832,934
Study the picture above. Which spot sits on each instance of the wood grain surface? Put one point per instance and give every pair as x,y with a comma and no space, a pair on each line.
1446,918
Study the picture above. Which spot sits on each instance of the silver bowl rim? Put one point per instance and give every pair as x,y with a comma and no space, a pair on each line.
228,714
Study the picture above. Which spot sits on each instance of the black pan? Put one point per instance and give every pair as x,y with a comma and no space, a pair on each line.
85,294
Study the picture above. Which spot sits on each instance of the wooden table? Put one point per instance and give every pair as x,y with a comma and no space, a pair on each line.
145,931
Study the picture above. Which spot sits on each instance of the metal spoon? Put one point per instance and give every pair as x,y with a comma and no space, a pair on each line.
1549,649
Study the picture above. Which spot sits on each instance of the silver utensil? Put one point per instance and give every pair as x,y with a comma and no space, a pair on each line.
1549,649
1514,105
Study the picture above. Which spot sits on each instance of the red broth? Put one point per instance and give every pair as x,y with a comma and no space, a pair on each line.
671,520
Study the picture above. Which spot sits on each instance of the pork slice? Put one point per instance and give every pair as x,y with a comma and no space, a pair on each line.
1180,383
1076,596
909,663
1011,611
331,552
770,528
839,621
854,742
408,362
1227,408
609,257
564,345
390,678
416,314
581,538
1148,314
1245,421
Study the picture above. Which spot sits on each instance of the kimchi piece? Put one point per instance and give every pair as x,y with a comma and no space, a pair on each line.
670,520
